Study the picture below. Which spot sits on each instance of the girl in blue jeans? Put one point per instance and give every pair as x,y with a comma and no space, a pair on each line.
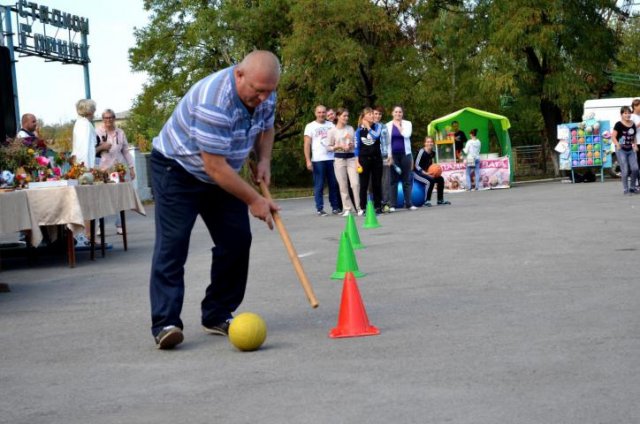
624,139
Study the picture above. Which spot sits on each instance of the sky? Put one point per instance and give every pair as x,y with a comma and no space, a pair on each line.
50,89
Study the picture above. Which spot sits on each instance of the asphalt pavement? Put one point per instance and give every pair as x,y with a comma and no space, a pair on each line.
508,306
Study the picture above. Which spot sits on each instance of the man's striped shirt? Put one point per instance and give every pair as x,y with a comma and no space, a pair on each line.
211,118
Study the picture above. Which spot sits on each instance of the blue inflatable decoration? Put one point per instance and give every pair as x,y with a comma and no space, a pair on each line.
418,194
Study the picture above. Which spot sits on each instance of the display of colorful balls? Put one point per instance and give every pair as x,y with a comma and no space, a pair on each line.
589,161
574,162
596,146
580,133
582,147
596,154
581,140
606,134
575,155
574,133
583,162
589,147
589,154
589,129
596,139
574,147
596,127
597,162
574,139
583,155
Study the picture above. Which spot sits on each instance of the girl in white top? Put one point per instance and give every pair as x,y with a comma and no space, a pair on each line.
472,154
340,142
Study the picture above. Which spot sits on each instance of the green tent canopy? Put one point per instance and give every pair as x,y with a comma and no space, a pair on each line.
488,124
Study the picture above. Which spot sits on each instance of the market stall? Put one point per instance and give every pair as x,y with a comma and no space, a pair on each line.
496,164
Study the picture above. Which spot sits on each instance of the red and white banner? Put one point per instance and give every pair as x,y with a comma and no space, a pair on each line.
494,173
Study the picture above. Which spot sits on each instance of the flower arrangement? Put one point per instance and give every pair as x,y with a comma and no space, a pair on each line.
76,170
121,169
23,160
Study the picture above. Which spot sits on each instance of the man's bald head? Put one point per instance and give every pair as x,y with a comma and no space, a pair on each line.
256,77
29,122
261,61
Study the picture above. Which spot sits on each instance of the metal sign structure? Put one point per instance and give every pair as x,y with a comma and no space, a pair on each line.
49,33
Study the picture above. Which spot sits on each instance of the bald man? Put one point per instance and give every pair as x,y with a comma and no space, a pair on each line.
29,125
194,170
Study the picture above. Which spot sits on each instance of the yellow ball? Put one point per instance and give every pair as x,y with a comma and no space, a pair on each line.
247,331
359,169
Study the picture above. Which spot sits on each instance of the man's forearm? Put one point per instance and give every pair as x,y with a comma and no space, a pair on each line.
264,146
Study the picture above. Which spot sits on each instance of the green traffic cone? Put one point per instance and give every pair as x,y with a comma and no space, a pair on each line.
371,220
352,231
346,260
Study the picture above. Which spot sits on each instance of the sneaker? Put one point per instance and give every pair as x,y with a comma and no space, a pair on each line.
82,240
392,210
360,212
346,213
385,209
336,211
412,208
444,202
119,231
219,329
170,337
427,204
321,213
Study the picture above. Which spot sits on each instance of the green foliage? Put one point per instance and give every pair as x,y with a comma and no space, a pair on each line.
628,59
430,56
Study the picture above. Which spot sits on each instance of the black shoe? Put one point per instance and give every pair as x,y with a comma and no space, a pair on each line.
427,204
321,213
169,337
336,211
219,329
444,202
378,211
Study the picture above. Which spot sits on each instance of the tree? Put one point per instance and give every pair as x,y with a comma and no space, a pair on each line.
554,52
187,40
627,67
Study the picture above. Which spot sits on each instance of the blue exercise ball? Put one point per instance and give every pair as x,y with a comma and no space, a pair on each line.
417,195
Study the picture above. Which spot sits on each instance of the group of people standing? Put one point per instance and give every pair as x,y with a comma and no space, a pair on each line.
373,159
101,147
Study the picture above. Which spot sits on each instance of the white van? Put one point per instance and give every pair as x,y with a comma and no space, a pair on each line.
608,110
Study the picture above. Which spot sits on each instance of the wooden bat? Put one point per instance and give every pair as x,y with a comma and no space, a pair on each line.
293,255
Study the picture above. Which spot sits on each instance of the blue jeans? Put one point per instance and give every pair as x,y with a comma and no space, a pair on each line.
476,169
628,168
405,162
323,170
179,199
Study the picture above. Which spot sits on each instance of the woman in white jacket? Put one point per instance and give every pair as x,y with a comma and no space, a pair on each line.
84,134
400,156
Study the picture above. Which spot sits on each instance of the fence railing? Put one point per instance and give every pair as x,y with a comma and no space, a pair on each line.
529,161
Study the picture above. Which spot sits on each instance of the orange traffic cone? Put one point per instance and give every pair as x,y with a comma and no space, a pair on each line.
352,319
